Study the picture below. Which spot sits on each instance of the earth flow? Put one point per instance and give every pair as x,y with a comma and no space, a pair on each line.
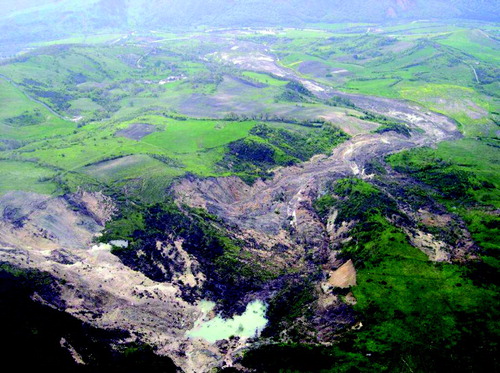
279,193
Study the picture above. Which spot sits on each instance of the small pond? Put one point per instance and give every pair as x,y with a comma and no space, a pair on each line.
249,324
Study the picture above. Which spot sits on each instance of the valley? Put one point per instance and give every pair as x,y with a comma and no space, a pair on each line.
333,188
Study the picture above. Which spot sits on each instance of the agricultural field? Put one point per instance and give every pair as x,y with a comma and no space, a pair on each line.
68,100
252,164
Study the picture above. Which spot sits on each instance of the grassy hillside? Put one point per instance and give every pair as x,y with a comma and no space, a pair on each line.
69,106
453,72
128,114
42,20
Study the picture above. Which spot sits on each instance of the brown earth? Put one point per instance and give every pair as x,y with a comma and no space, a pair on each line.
55,234
136,131
343,277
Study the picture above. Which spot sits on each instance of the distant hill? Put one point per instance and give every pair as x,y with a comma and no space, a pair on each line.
24,20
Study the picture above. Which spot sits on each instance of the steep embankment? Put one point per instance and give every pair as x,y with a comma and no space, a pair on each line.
286,200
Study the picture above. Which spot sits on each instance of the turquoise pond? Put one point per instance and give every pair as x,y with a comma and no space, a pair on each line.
249,324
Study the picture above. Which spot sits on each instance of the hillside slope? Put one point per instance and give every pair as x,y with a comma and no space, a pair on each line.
45,19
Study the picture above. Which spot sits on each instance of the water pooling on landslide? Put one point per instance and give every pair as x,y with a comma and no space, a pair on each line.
119,243
249,324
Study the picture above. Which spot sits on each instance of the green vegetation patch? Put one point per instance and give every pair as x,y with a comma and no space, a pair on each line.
467,106
146,177
268,147
26,176
264,78
475,42
28,118
455,170
294,301
394,127
22,119
295,92
416,314
354,199
149,162
468,185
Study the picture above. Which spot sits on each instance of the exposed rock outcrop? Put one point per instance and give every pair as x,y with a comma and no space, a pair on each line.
343,277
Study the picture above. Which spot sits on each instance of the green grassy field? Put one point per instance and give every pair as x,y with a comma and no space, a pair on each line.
26,176
197,148
16,112
265,79
109,86
145,110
